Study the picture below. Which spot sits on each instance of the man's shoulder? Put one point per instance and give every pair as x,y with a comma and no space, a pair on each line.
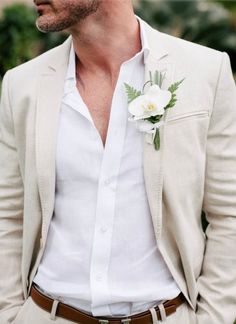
38,64
191,50
184,51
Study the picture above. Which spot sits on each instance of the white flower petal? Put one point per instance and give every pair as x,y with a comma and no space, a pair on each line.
150,104
143,116
137,106
158,96
153,90
157,112
161,99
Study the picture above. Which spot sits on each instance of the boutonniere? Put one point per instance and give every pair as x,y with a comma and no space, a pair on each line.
147,107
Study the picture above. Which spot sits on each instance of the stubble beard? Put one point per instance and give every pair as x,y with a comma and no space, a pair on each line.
67,17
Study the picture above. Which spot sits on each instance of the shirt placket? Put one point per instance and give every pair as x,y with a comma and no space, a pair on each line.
105,209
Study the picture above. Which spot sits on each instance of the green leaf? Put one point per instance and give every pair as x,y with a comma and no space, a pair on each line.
159,78
153,119
157,141
173,88
151,78
132,93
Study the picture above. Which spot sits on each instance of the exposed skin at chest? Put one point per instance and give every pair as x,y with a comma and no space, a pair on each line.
96,90
105,34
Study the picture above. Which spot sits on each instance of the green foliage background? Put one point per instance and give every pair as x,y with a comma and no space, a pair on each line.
210,23
20,41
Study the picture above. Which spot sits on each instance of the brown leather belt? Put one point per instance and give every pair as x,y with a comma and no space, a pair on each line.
74,315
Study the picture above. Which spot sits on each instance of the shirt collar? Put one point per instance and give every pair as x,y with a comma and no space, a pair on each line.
71,66
144,39
145,50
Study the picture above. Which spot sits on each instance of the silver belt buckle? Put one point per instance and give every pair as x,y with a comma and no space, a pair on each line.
125,320
103,321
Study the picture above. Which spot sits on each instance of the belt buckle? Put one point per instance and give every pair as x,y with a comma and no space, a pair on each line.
125,320
103,321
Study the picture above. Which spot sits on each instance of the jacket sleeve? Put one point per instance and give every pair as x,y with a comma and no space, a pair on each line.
217,283
11,214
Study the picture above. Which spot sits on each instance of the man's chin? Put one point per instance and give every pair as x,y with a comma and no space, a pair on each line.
40,28
42,25
47,25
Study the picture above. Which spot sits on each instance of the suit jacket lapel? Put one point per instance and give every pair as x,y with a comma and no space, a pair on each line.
153,160
50,92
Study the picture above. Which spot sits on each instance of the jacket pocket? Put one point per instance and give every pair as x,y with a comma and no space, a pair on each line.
191,115
20,315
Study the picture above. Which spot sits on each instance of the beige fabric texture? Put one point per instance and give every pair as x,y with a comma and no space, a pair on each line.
195,168
33,314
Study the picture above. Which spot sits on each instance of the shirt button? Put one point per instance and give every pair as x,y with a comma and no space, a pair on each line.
107,182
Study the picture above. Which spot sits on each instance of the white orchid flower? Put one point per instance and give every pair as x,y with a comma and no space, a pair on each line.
152,103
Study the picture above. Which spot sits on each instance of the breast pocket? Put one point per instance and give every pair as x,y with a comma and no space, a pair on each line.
187,116
185,142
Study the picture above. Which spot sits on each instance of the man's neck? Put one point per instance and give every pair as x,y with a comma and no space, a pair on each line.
104,40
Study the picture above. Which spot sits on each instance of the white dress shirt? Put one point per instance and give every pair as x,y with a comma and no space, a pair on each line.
101,255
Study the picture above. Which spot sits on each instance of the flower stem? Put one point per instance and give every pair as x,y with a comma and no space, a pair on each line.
145,84
157,140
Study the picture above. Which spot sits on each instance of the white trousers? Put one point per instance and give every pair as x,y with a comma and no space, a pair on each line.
30,313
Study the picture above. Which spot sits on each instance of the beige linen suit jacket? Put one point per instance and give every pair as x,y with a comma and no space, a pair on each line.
194,169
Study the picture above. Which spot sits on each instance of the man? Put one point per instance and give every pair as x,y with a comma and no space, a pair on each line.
96,224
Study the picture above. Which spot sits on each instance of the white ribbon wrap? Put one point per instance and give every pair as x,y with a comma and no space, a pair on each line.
147,127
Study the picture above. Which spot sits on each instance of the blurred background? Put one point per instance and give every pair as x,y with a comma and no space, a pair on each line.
208,22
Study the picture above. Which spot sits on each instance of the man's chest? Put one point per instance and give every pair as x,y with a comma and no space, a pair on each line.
97,95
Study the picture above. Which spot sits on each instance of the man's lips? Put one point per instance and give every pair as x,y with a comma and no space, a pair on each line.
42,2
40,5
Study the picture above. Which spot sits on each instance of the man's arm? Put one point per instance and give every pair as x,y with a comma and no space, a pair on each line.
217,283
11,214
